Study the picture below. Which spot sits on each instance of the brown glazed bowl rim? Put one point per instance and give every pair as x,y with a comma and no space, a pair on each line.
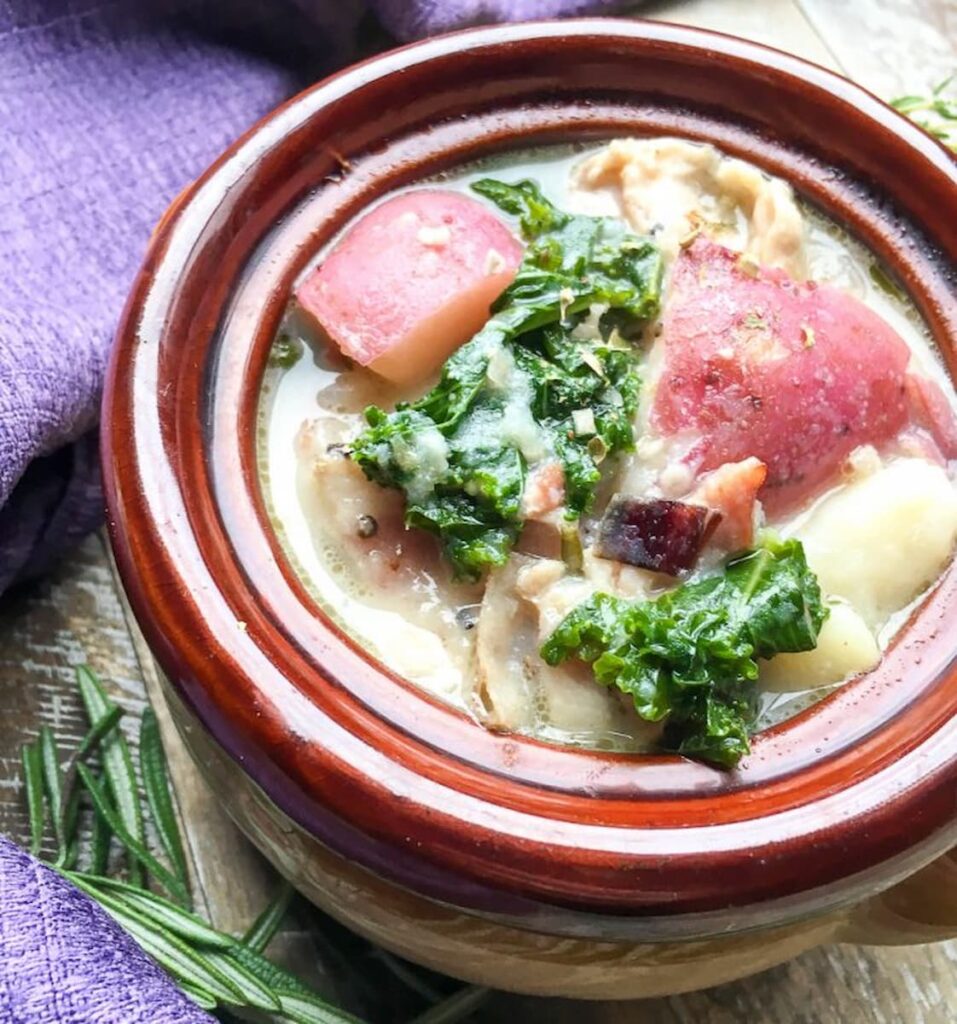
848,797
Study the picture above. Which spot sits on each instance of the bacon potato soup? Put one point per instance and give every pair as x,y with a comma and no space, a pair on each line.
625,447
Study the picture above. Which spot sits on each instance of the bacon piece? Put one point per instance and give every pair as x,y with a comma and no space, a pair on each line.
732,490
657,534
544,490
797,375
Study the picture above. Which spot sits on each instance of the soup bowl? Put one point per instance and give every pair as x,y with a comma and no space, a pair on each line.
497,858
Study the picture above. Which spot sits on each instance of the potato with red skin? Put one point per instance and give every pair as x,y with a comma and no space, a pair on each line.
931,411
411,281
795,374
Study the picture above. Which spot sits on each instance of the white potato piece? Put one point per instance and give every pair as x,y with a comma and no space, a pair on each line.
879,541
845,647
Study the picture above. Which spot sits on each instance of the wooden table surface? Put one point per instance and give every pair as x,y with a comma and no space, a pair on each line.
77,615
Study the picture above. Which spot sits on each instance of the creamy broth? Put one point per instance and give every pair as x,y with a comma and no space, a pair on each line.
403,605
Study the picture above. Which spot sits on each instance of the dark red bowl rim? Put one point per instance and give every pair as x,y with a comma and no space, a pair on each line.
554,838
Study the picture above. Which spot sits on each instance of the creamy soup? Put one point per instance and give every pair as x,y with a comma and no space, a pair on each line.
686,476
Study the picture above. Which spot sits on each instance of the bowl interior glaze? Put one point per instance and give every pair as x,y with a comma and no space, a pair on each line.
848,796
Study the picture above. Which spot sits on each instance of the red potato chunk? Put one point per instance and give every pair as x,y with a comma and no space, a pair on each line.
411,281
797,375
931,411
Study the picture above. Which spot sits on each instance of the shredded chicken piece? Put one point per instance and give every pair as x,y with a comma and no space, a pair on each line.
617,578
515,690
679,189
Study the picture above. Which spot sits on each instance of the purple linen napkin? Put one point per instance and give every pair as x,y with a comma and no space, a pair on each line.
64,961
108,108
413,19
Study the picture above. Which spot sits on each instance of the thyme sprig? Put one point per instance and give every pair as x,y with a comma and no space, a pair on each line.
100,779
935,113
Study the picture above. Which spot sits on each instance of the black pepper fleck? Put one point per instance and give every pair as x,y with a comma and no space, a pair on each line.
467,616
367,526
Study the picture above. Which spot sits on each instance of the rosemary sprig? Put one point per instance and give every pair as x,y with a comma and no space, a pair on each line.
117,763
260,933
33,781
936,113
211,968
156,787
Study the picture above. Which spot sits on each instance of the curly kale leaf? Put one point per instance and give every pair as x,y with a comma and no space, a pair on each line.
555,371
689,657
524,200
568,375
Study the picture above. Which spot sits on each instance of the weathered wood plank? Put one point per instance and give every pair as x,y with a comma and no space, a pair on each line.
778,23
71,617
891,47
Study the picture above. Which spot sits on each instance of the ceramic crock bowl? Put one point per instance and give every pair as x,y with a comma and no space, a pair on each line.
495,858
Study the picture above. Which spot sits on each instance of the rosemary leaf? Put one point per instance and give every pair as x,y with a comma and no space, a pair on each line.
278,979
33,784
936,113
262,930
99,730
165,913
199,996
70,795
153,773
300,1009
167,949
298,1003
117,763
69,812
101,836
255,993
53,783
134,846
457,1007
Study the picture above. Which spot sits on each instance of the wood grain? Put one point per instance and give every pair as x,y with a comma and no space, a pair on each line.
71,617
891,47
778,23
76,615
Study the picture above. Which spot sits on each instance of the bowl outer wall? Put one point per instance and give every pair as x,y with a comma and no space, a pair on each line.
849,796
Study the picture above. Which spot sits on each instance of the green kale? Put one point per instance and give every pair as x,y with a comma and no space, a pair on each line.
532,363
286,351
568,375
689,657
524,200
